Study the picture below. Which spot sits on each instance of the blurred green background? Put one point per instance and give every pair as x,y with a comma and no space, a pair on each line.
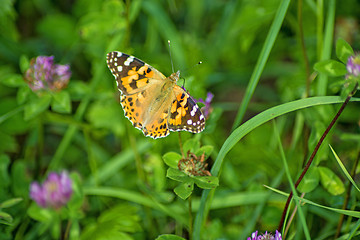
98,145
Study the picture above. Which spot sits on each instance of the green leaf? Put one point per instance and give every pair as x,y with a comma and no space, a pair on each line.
24,63
330,67
206,182
10,202
343,50
61,102
6,218
310,180
191,145
184,190
22,94
37,106
348,87
114,223
77,198
177,175
172,159
13,80
19,179
205,149
78,89
4,166
40,214
330,181
169,237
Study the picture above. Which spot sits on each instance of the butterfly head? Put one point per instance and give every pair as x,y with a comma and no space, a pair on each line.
175,76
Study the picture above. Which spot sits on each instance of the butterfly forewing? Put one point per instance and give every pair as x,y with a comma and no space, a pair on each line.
132,75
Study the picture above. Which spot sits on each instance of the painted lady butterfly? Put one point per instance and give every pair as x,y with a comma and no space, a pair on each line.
152,102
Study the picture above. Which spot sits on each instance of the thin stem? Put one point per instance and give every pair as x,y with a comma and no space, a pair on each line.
181,146
138,161
190,218
303,48
291,218
67,230
314,153
128,24
347,197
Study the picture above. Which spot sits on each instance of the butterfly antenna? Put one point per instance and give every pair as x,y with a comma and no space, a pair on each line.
200,62
195,65
172,65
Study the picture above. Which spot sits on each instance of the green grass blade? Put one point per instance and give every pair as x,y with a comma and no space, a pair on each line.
350,213
138,198
328,44
353,231
264,55
344,169
247,127
291,183
117,162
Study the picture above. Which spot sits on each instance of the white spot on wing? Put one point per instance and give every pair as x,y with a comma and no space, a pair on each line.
189,122
119,54
119,68
193,111
129,60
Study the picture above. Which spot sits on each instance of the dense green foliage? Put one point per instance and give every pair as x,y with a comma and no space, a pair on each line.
263,60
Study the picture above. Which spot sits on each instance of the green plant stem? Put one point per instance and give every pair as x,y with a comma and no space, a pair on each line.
181,146
303,48
322,81
128,24
347,197
138,161
291,218
320,27
306,168
307,72
67,230
40,145
190,218
291,183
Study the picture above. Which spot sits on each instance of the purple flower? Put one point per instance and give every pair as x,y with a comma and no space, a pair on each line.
207,108
54,192
353,65
44,74
265,236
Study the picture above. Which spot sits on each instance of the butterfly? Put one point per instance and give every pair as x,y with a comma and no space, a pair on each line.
153,103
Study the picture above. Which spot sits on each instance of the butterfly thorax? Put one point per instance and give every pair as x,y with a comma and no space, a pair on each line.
174,76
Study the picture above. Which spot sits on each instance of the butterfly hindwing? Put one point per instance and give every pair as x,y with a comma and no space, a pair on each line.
185,113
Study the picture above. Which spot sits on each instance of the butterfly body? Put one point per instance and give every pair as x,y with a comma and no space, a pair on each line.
152,102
